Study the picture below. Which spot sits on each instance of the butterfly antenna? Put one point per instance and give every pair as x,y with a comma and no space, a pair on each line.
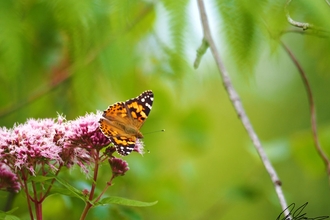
163,130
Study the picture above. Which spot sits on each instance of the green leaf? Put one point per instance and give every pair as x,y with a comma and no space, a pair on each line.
200,52
62,191
7,216
124,201
40,179
11,217
69,190
242,28
10,211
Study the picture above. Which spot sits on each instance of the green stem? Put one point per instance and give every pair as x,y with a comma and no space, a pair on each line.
312,107
25,187
37,203
38,207
105,189
91,194
51,185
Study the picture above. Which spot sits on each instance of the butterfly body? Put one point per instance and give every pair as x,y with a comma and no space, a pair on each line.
122,121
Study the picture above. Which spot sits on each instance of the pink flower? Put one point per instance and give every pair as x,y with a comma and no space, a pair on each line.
139,146
119,166
40,146
85,192
29,144
8,180
80,139
84,132
109,151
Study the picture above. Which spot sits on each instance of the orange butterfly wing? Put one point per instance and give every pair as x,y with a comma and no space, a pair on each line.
122,121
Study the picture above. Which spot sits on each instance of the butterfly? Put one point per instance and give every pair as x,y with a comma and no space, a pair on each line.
122,121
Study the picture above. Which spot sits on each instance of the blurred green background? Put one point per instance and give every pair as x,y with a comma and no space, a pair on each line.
72,57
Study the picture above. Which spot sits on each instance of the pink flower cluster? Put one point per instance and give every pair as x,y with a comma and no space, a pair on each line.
8,180
40,146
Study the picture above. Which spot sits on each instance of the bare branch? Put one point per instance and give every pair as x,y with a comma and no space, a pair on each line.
235,99
312,108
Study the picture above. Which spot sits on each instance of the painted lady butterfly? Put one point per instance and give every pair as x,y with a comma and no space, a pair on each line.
122,121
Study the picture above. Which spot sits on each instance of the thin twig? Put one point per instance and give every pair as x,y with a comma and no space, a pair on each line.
235,99
312,108
105,189
311,32
302,25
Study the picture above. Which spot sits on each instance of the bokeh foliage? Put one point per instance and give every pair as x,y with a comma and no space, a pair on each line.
73,57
